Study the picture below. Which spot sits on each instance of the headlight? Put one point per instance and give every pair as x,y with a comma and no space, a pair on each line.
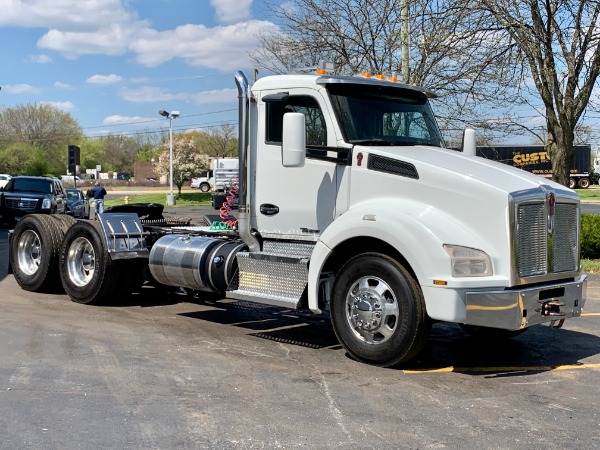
469,262
78,206
46,203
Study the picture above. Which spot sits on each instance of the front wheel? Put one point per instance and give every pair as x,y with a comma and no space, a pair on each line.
205,187
572,183
378,311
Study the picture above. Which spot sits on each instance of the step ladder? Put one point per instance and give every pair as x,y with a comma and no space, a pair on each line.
277,275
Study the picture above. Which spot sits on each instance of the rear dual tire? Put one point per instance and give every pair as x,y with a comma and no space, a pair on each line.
87,272
34,253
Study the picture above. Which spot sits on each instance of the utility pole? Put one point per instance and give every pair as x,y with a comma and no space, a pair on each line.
404,40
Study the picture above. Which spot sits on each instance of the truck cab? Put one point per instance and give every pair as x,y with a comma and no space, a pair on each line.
375,193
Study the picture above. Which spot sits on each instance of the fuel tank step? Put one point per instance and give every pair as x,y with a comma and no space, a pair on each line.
271,279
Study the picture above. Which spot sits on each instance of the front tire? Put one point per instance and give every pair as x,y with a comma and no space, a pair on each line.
34,253
88,274
572,183
378,311
205,187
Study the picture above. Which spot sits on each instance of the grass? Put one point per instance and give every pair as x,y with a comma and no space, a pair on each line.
592,193
186,199
591,266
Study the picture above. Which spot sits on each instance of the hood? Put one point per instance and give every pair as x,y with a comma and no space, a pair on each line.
449,168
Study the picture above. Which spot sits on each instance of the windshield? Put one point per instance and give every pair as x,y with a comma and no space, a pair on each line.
384,115
72,194
39,186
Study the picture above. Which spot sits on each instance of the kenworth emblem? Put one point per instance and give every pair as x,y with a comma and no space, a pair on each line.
551,202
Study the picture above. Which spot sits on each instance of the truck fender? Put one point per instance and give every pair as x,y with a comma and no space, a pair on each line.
413,230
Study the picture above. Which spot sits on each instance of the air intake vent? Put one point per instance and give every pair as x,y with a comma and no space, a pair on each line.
393,166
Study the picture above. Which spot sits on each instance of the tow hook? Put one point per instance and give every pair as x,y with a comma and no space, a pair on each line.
550,308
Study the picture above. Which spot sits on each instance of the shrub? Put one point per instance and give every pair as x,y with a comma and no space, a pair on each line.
590,236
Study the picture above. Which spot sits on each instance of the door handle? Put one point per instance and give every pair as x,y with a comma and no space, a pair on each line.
269,210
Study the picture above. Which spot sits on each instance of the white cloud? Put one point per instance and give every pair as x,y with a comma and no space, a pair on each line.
111,27
149,94
126,120
39,59
64,106
20,89
64,14
59,85
104,79
230,11
222,48
216,96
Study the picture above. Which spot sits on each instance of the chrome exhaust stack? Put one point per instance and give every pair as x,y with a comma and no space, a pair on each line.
244,128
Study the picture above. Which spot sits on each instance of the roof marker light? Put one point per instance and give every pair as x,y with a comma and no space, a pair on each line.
380,76
365,74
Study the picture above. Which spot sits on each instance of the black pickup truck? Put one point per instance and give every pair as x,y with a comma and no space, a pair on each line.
27,194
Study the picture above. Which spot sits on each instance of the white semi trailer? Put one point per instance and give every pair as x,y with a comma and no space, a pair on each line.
349,205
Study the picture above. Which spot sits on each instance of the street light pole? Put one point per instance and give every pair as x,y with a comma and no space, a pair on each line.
172,115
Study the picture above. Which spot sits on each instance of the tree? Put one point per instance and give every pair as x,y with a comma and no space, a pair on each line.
43,127
187,160
448,47
558,41
21,158
478,55
220,142
119,152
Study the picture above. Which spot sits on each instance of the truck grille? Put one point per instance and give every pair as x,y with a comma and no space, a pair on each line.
547,231
22,204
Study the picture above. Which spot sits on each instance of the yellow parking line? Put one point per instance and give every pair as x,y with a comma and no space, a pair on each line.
502,369
590,314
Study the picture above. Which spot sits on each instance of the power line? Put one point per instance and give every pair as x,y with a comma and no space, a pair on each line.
158,120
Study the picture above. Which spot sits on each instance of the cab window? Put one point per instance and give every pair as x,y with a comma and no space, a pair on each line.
316,129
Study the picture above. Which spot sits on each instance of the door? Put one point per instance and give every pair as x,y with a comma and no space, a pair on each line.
294,202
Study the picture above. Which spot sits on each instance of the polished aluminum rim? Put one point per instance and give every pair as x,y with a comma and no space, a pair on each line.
81,261
30,252
372,310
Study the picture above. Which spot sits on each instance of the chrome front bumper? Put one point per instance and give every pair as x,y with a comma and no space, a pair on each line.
522,308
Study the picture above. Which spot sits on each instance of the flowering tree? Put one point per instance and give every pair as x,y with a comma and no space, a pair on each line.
188,160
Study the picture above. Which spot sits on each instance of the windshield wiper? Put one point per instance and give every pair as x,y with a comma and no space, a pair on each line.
383,142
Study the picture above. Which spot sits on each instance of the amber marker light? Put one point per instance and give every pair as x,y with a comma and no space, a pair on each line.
440,283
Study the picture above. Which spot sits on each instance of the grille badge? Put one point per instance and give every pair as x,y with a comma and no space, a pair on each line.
551,199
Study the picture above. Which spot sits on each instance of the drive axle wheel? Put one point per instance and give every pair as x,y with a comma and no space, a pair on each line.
34,253
86,270
378,311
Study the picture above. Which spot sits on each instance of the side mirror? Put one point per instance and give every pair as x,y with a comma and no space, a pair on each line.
293,146
469,145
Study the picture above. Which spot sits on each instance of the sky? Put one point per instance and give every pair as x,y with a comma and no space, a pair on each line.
113,64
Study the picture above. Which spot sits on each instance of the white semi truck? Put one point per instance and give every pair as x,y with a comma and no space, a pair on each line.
225,172
350,206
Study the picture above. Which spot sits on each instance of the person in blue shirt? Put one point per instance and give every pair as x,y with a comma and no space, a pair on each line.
98,192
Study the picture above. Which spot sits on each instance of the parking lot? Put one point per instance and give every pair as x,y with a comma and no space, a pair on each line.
161,370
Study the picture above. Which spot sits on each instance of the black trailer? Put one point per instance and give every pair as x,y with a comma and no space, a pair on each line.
535,159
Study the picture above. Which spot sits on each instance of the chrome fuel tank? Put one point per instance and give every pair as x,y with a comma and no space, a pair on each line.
199,263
